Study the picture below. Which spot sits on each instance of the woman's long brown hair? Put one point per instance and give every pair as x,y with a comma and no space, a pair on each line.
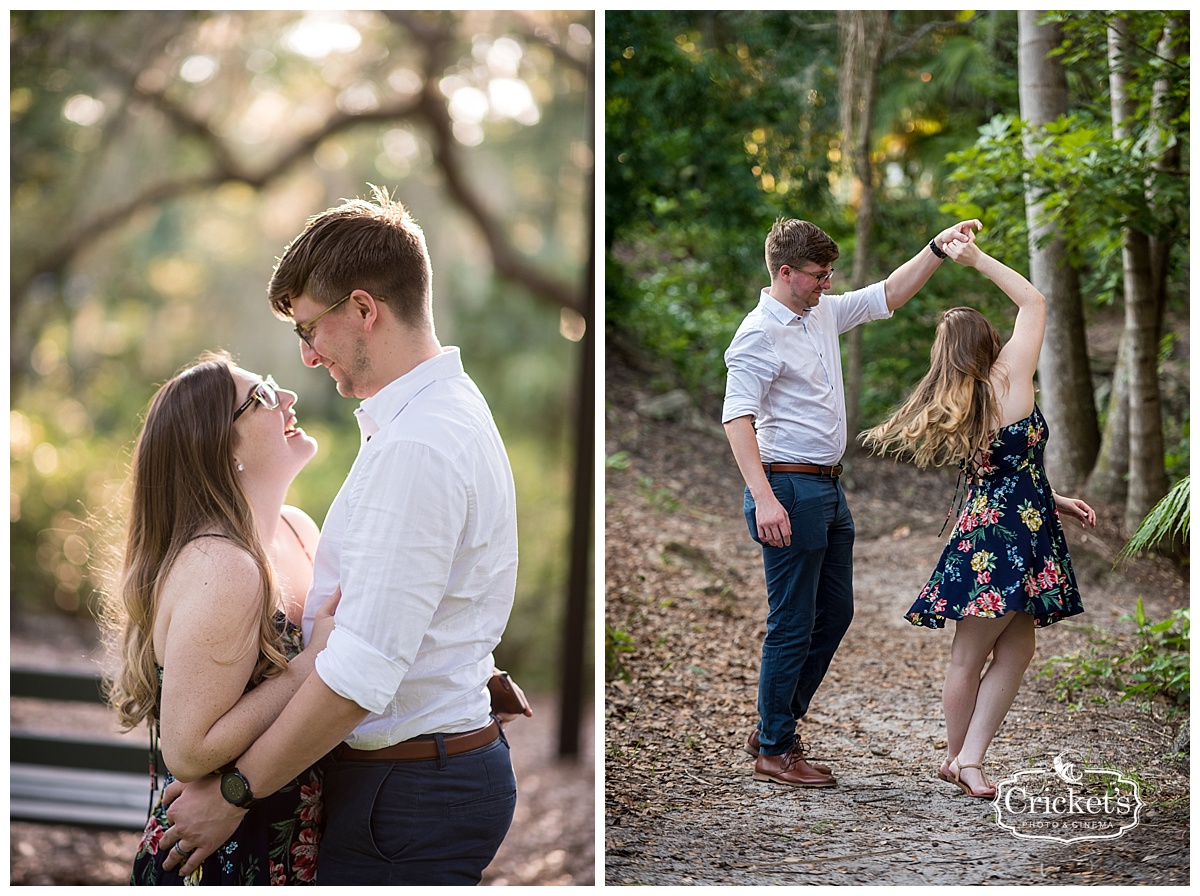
953,411
184,484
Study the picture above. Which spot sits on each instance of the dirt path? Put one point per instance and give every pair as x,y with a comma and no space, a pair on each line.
684,590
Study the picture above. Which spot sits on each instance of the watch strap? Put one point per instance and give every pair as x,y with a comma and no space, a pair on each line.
933,247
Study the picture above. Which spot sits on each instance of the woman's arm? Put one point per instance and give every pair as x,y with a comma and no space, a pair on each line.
1019,357
209,653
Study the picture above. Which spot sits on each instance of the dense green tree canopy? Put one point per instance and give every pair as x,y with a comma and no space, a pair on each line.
718,122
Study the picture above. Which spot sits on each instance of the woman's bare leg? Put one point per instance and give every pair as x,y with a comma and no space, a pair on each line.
1012,652
974,639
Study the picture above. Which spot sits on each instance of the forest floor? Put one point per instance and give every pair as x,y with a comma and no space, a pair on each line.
552,841
686,602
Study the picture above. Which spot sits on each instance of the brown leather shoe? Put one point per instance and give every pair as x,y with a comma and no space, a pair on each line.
790,768
751,747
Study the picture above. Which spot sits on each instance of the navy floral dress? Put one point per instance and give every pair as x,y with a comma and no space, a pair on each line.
1007,551
275,844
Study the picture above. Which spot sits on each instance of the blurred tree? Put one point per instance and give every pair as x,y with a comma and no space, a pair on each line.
863,36
1064,375
1133,441
160,162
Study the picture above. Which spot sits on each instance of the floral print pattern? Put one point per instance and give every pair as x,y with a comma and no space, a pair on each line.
1007,551
276,843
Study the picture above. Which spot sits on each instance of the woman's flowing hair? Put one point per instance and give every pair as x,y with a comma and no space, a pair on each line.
953,412
184,484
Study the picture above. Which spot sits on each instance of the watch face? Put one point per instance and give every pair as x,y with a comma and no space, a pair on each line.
234,788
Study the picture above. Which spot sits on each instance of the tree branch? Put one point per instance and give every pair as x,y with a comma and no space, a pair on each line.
428,108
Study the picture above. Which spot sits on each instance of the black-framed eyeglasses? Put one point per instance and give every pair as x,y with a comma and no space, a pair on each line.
819,276
305,330
265,393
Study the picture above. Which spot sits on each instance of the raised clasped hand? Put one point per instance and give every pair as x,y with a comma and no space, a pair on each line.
964,253
963,232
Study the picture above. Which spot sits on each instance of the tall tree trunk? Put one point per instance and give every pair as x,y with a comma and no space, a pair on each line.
1063,370
1145,305
863,35
1147,472
1109,481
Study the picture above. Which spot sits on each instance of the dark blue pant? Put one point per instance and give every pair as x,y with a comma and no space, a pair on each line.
810,600
406,823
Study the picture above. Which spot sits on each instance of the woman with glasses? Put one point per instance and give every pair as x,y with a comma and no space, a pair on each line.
1005,569
205,615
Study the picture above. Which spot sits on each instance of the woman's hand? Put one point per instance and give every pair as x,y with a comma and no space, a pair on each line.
1076,509
963,231
323,623
964,253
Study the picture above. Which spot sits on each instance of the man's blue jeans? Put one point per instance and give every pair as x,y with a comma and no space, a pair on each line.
436,822
810,600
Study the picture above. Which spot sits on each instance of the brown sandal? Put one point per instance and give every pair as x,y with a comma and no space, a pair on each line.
967,790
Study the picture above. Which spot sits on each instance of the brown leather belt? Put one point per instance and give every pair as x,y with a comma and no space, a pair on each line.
832,472
424,747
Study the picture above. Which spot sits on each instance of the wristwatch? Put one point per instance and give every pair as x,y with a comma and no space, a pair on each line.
236,789
933,247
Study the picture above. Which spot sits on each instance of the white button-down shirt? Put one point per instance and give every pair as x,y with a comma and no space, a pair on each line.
785,371
422,541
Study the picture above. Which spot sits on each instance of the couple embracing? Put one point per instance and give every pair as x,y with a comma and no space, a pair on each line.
322,699
1005,569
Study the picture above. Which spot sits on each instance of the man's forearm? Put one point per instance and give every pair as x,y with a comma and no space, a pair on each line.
744,443
315,721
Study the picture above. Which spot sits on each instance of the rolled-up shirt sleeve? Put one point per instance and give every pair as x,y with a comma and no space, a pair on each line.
753,364
406,519
860,306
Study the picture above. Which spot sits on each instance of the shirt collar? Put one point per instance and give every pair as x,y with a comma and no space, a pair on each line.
777,309
386,404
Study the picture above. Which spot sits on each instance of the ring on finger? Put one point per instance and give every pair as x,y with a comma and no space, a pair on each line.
178,847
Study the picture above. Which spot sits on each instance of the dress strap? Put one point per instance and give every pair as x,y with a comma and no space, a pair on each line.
958,488
298,538
968,469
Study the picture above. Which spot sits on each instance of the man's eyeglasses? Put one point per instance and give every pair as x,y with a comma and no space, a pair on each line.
819,276
305,330
265,393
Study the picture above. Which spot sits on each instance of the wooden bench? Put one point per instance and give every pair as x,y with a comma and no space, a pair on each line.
77,778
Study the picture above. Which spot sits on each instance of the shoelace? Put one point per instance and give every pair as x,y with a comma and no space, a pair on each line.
794,754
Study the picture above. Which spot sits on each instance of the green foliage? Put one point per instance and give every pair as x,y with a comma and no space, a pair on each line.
618,461
1170,519
616,642
1155,665
683,191
689,199
1089,186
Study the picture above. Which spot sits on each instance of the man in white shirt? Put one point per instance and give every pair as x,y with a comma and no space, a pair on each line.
421,541
785,416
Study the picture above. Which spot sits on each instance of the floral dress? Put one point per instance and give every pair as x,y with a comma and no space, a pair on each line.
1007,551
276,843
